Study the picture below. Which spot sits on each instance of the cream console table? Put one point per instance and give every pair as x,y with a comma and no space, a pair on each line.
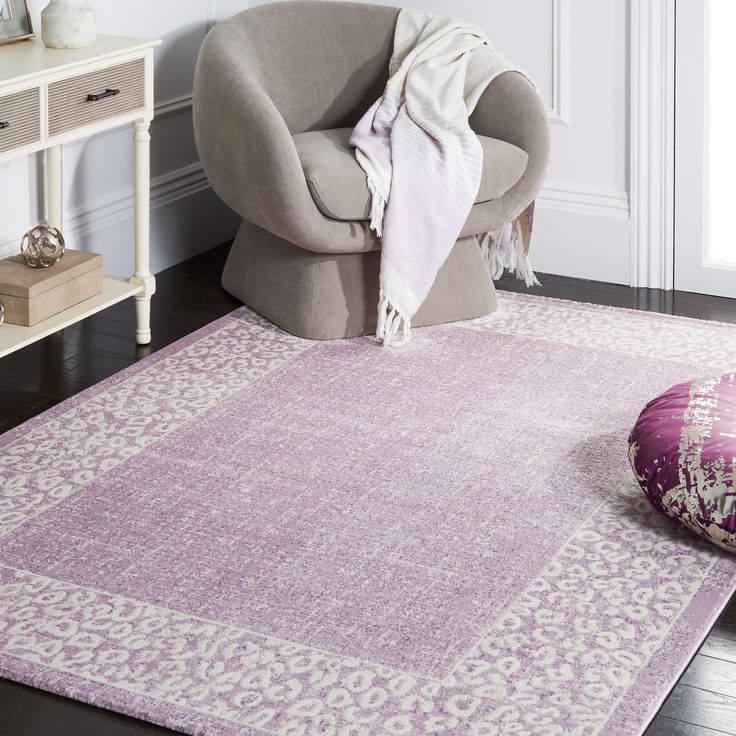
49,97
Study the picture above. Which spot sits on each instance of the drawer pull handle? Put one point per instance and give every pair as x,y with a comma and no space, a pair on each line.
4,125
103,95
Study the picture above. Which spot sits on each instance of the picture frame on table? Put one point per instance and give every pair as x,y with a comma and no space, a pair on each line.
15,21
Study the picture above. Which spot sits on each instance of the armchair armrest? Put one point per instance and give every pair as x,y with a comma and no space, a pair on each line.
244,144
511,110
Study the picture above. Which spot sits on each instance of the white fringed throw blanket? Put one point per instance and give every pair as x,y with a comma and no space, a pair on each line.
423,162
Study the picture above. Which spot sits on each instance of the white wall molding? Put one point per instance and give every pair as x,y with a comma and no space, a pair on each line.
559,110
580,230
183,103
584,199
111,209
652,162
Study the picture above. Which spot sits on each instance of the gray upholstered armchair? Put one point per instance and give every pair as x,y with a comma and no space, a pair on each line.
277,91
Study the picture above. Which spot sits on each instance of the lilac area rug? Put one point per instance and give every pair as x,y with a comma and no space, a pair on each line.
249,533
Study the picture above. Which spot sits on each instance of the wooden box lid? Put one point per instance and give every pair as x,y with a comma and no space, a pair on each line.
17,279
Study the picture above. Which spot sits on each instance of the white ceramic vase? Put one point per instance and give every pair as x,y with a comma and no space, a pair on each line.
68,24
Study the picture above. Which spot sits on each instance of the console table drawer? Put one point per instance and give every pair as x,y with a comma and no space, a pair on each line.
20,119
86,99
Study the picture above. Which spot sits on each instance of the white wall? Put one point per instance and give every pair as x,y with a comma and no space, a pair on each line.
578,51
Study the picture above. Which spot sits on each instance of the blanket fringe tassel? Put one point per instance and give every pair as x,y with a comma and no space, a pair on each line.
511,257
393,328
378,207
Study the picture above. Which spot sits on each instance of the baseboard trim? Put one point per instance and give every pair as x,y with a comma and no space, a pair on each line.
111,209
173,106
588,201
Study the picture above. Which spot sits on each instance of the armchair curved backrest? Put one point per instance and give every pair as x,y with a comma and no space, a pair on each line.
322,63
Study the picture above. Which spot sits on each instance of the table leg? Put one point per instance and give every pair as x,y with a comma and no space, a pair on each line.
54,187
142,214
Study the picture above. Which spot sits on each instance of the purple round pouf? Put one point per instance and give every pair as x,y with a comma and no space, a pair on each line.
683,452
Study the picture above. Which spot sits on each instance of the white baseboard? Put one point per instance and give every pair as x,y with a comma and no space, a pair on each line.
584,200
582,233
108,220
116,207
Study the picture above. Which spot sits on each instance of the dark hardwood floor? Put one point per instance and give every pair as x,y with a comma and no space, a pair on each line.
190,296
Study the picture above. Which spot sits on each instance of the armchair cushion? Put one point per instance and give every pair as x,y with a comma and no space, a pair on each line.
338,185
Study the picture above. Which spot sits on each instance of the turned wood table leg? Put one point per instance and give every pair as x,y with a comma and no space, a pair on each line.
142,213
54,186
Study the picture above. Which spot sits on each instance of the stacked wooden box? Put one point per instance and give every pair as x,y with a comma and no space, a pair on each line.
31,295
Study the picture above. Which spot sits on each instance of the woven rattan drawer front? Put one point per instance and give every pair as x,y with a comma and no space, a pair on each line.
20,119
69,106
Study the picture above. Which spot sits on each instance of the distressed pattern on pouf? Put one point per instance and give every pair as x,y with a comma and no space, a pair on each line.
683,452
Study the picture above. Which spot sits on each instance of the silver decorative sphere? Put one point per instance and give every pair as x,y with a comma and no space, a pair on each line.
42,246
2,312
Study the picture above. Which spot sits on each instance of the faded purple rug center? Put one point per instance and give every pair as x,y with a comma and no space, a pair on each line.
384,505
